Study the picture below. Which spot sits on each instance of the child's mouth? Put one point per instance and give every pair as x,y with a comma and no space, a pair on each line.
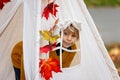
66,43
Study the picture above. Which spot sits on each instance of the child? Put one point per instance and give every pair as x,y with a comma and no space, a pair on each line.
70,36
17,60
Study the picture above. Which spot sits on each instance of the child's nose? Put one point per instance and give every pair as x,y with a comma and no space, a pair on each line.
69,38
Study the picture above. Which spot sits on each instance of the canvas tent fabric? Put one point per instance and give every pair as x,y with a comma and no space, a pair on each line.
11,23
95,63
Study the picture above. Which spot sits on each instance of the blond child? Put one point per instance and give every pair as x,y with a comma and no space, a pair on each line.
70,36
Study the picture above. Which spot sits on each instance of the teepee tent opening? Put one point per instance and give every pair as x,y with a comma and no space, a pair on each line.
23,20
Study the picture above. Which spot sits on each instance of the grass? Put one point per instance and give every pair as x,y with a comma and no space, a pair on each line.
102,3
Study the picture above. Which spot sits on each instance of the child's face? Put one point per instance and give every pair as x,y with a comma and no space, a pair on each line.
69,38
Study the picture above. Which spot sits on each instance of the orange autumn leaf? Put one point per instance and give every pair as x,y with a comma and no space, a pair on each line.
47,66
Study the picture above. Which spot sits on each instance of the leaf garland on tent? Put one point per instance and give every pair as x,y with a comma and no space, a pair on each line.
50,8
47,66
48,35
2,2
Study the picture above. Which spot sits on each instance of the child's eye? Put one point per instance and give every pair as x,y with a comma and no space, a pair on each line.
73,36
65,33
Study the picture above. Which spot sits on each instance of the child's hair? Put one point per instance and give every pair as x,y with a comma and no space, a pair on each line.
72,29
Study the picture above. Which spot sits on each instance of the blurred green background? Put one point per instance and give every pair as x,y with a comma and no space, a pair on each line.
102,3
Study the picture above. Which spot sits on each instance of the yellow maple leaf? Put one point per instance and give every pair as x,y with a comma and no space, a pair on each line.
47,35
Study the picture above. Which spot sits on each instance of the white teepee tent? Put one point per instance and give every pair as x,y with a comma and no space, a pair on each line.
95,63
11,25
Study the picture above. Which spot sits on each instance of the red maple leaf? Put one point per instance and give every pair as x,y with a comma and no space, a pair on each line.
2,3
47,66
47,48
50,8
